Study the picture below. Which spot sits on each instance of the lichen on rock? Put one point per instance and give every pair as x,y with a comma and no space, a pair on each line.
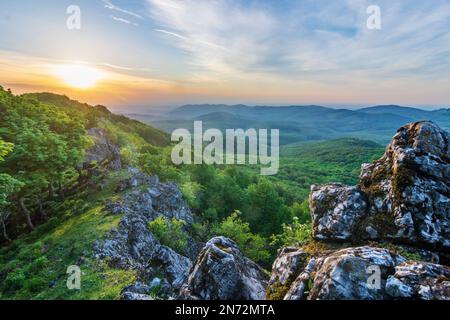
222,272
403,197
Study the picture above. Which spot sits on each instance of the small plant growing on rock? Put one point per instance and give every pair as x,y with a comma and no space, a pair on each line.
297,234
170,233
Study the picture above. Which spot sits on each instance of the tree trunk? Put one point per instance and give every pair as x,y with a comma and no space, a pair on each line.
80,176
26,212
60,191
42,211
5,234
51,194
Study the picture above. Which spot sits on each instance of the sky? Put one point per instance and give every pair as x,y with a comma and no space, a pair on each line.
153,53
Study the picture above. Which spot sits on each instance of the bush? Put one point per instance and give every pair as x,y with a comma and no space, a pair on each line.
170,233
36,284
252,245
295,234
39,264
191,192
301,210
211,214
15,280
127,155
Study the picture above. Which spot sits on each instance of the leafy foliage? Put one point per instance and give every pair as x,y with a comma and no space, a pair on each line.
253,246
170,233
48,143
295,234
5,148
49,135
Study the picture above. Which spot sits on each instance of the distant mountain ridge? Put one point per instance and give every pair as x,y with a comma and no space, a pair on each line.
403,111
302,123
282,111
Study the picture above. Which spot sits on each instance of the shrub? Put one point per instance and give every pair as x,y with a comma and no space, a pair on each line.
297,234
36,284
211,214
170,233
15,280
301,210
190,192
252,245
39,264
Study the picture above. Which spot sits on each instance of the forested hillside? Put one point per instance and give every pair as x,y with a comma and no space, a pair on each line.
54,202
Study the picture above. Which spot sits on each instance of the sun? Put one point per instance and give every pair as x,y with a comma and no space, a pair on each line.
79,76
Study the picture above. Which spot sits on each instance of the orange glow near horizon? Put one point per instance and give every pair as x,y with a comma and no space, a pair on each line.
111,85
79,76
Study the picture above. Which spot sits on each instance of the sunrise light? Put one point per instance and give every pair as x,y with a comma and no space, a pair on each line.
79,76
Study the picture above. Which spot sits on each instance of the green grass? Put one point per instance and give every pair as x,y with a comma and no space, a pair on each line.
34,266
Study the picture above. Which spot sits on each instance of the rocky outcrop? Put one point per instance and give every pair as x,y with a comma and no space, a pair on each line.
103,151
221,272
289,263
132,246
346,274
425,281
301,286
403,197
361,273
150,197
336,209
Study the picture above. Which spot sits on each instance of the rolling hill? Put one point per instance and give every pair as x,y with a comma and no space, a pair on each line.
301,123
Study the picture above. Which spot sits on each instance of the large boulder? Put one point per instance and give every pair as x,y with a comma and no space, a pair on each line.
346,274
175,268
222,272
335,209
409,187
403,197
355,273
414,280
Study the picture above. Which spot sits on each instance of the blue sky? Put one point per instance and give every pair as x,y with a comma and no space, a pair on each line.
168,52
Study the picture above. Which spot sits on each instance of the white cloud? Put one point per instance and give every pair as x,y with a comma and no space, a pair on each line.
123,20
109,5
222,37
316,50
308,40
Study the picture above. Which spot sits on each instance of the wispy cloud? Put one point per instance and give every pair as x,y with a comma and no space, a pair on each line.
173,34
123,20
308,40
109,5
222,37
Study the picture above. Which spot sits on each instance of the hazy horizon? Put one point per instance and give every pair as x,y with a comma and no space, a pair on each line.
280,105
